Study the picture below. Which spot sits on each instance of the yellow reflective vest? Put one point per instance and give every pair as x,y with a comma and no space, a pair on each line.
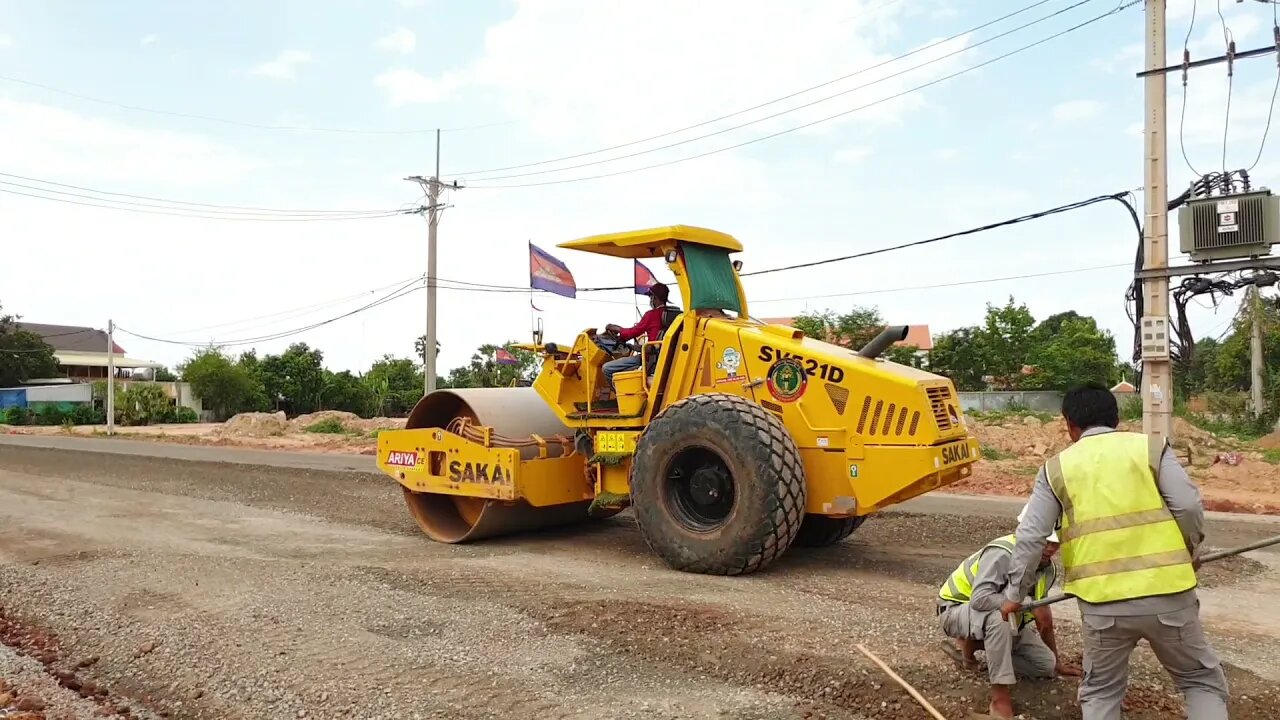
959,587
1119,540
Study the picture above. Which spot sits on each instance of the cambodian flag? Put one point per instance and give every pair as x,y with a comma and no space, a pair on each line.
505,358
644,279
548,273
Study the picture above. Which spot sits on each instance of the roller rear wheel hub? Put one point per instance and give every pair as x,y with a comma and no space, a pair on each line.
701,489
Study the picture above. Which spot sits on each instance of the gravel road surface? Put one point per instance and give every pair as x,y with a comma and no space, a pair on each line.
224,583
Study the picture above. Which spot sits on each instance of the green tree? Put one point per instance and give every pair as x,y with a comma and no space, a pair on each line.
851,329
23,355
294,379
226,387
162,374
1006,342
395,385
1194,377
1077,351
344,391
961,356
142,403
484,369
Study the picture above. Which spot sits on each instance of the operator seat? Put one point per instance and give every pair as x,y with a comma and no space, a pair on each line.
670,313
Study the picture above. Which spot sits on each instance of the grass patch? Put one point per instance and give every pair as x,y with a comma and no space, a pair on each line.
1247,428
1271,456
990,453
329,426
997,417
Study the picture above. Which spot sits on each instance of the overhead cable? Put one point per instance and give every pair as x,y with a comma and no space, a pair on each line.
1119,196
788,111
828,118
242,123
405,289
765,104
207,215
216,206
1275,33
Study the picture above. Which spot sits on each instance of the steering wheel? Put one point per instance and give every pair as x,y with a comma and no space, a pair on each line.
612,345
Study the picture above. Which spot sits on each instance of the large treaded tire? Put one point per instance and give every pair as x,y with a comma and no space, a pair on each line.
766,472
821,531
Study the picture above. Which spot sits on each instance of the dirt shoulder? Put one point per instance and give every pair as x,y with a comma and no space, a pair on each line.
218,590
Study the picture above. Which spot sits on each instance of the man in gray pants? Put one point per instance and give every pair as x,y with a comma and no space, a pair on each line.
969,611
1128,538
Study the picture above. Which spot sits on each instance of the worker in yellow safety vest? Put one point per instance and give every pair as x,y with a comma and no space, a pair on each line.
1129,520
969,612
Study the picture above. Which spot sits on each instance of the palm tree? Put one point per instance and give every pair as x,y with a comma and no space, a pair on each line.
420,347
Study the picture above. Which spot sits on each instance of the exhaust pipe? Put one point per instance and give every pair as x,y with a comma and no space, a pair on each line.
881,342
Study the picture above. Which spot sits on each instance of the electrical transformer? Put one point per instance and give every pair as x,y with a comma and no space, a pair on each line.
1228,227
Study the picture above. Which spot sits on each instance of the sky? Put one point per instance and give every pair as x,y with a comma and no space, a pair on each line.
297,105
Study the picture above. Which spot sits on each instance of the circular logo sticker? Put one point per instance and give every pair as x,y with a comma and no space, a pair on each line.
787,380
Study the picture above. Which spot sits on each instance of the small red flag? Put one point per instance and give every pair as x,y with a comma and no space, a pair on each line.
505,358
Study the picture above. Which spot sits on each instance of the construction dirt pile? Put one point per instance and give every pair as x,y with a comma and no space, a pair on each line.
350,422
255,425
1233,475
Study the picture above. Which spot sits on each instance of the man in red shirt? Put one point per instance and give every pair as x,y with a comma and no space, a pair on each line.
651,326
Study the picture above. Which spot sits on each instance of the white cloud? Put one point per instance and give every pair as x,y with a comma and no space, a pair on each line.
401,40
1073,111
409,87
411,3
534,63
6,40
852,155
284,67
53,143
148,40
947,154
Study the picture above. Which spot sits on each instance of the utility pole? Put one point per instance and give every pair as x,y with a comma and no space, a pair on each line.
431,186
111,378
1157,370
1255,351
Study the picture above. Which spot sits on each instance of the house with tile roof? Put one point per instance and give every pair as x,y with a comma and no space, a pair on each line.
81,352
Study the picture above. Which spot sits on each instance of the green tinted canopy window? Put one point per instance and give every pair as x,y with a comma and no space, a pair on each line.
711,279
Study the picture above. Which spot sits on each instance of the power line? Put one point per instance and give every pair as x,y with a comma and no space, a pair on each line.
1118,197
241,123
1186,58
229,214
186,202
754,107
1003,223
780,133
788,111
963,283
418,283
402,291
293,312
1275,32
1228,39
211,217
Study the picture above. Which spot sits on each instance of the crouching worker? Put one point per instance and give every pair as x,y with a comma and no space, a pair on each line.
969,611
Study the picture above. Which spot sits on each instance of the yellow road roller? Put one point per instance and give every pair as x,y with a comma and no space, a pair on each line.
731,440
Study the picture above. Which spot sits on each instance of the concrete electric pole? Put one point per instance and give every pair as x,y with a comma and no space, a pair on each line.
1157,370
111,377
431,186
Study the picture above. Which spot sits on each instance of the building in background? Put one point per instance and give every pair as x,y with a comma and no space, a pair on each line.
81,353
